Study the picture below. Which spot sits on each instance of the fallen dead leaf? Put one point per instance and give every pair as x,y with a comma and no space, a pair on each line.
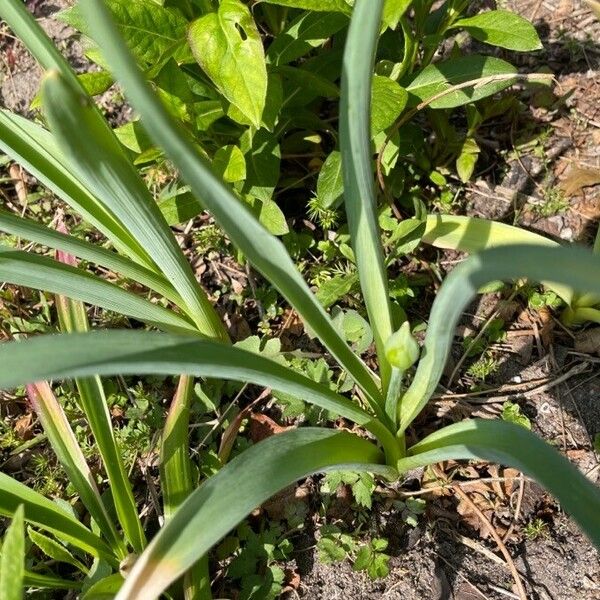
262,427
578,178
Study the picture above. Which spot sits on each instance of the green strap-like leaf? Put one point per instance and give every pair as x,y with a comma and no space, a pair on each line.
49,516
509,444
132,352
34,232
69,454
42,273
35,148
238,488
357,166
12,559
73,318
106,170
263,250
574,267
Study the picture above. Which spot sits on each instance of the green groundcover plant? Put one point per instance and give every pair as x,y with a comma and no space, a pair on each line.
81,160
257,84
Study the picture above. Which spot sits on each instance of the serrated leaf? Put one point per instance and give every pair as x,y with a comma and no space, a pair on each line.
229,164
388,100
307,31
502,28
330,183
54,549
437,80
151,31
228,47
335,288
363,489
12,559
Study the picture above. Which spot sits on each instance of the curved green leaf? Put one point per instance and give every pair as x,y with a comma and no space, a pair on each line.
42,273
134,352
575,267
263,250
106,170
357,166
471,234
509,444
12,559
34,232
50,517
242,485
35,148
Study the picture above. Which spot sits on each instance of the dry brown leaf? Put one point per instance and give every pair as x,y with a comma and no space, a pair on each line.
262,427
588,342
578,178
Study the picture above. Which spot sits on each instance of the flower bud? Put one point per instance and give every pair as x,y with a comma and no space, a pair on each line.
401,349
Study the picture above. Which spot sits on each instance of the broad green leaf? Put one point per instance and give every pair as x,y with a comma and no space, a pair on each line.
54,549
36,149
335,288
49,516
132,352
330,183
151,31
317,5
393,11
34,232
308,80
574,267
180,208
107,171
228,47
471,234
509,444
12,559
242,485
263,158
360,196
467,159
502,28
388,100
272,218
229,164
39,272
441,80
264,251
104,589
64,443
308,31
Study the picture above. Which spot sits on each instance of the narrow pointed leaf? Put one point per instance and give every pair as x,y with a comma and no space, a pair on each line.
106,170
242,485
12,559
42,273
34,232
54,549
64,443
357,166
263,250
47,515
133,352
35,149
573,267
509,444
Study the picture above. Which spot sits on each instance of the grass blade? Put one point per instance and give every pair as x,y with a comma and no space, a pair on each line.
573,267
48,516
64,443
242,485
107,171
263,250
34,232
34,147
42,273
509,444
359,188
12,559
133,352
